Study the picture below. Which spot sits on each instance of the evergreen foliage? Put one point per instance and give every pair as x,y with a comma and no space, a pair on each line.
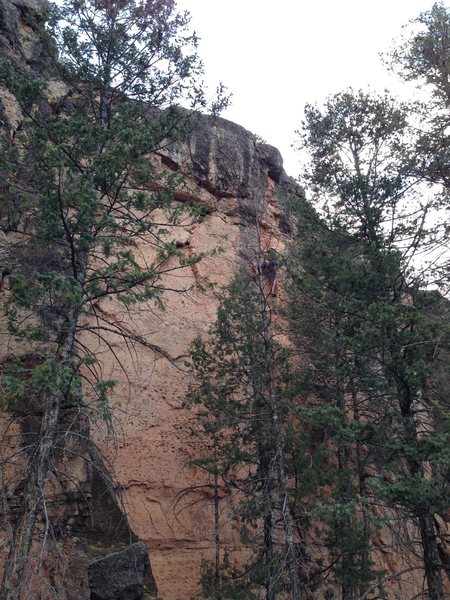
372,332
243,403
325,439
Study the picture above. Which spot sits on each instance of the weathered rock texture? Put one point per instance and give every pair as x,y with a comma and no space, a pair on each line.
168,504
121,575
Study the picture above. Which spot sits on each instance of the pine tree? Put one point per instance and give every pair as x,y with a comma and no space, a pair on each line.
80,190
243,394
336,425
378,335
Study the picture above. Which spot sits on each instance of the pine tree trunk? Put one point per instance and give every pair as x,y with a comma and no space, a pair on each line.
362,489
345,489
431,559
288,521
291,554
216,532
268,523
33,497
430,552
31,501
346,492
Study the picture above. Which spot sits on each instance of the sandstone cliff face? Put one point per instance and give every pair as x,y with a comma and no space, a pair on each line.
168,504
18,19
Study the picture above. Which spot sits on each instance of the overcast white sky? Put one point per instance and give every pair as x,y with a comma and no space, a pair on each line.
276,55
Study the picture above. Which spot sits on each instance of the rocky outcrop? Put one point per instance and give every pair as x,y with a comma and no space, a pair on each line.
235,178
230,163
227,159
122,575
18,22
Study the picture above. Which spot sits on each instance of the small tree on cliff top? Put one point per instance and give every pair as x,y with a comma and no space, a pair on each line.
80,191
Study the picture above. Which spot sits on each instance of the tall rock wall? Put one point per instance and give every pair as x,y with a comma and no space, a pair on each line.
234,177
